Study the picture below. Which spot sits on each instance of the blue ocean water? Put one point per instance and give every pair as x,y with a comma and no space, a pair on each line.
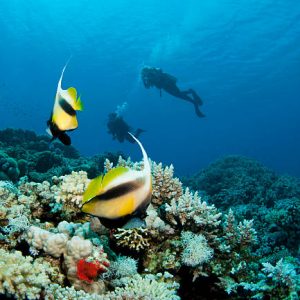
242,57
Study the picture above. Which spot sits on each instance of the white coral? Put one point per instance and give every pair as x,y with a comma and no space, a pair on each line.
189,210
195,249
52,243
149,287
70,188
165,186
21,277
153,221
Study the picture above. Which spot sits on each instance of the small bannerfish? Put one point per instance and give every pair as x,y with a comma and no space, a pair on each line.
63,117
120,194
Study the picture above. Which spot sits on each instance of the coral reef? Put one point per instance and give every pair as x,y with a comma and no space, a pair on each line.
22,152
230,235
254,192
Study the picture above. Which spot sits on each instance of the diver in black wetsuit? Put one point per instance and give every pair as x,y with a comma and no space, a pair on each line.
156,77
119,129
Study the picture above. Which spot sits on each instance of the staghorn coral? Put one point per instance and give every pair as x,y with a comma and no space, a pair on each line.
21,276
165,186
135,239
276,282
192,213
148,287
57,292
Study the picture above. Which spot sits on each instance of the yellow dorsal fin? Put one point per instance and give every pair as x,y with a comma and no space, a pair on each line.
93,189
113,174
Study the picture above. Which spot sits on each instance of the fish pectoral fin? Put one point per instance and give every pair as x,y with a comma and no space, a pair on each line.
72,93
94,188
79,104
76,102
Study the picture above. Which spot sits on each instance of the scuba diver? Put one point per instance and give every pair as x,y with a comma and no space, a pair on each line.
155,77
119,129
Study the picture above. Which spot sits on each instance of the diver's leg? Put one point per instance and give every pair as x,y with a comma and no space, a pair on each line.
196,97
196,101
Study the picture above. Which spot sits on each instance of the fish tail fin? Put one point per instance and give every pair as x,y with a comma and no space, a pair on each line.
147,168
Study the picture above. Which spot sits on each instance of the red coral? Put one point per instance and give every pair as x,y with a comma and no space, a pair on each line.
88,271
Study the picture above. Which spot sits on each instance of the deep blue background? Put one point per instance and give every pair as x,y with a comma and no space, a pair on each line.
243,57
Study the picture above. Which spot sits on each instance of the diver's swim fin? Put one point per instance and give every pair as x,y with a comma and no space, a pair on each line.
138,132
198,112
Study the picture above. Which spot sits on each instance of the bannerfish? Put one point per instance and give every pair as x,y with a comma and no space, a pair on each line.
120,194
63,116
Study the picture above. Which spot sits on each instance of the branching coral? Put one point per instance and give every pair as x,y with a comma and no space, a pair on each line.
165,186
135,239
153,221
196,251
69,189
148,287
57,292
192,213
21,276
277,282
123,266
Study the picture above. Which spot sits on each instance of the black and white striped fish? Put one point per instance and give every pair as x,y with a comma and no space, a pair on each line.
119,194
63,117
